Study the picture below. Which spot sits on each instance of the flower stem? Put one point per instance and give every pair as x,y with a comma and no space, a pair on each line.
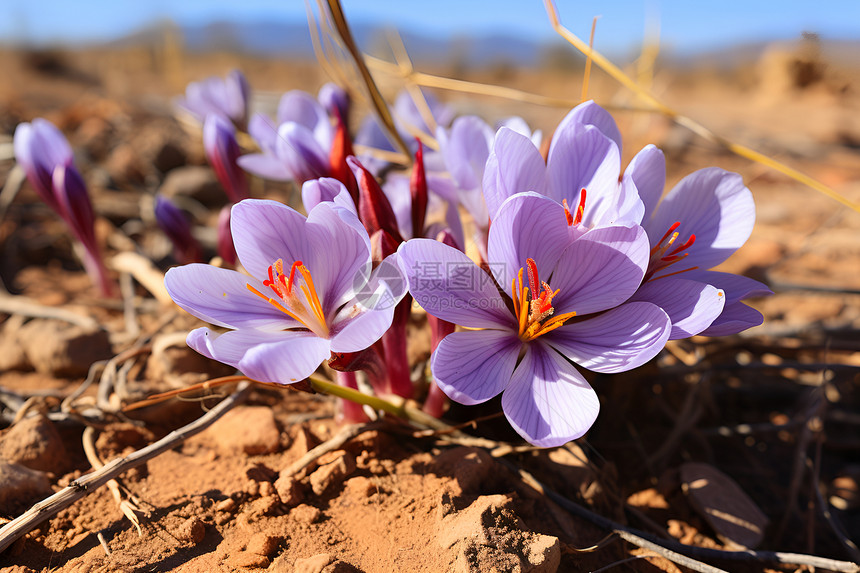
350,412
324,386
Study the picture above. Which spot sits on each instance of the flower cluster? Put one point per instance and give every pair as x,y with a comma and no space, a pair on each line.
576,266
580,266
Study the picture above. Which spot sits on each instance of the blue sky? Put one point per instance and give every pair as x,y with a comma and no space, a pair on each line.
684,24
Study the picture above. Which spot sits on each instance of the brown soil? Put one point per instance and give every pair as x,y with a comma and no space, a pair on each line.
770,417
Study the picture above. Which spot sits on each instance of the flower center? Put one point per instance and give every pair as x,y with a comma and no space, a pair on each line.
302,303
575,219
533,305
663,255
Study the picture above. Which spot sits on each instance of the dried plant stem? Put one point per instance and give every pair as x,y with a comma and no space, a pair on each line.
79,488
615,72
676,551
21,305
379,105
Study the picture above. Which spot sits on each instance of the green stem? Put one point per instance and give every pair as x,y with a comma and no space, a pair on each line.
324,386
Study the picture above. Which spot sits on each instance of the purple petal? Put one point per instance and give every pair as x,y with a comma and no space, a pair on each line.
547,401
337,252
238,94
303,155
448,285
519,125
691,305
736,287
514,166
466,149
222,151
40,147
647,172
588,113
265,231
265,166
298,107
335,100
714,205
316,191
362,330
221,297
618,340
736,317
527,226
264,132
280,357
473,366
586,159
600,270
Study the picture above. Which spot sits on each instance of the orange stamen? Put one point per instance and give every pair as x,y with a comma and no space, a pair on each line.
304,307
533,304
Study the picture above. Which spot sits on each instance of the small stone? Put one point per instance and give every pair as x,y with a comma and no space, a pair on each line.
196,182
266,489
222,518
289,491
248,560
227,505
360,487
250,429
332,473
192,530
12,355
314,564
303,441
263,544
34,442
61,349
306,514
21,487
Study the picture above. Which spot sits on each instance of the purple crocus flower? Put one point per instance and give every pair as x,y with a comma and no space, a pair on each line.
177,227
705,218
581,171
302,300
566,305
46,157
228,97
39,148
298,148
335,100
222,151
465,147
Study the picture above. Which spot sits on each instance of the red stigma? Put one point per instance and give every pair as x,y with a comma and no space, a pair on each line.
533,277
290,282
567,212
580,210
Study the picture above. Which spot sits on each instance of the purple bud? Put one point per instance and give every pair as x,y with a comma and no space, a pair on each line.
73,200
226,250
39,148
418,190
219,142
73,205
238,98
335,100
176,226
225,97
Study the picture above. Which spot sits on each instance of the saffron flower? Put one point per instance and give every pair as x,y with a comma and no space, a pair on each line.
705,218
175,224
39,148
702,221
297,147
566,305
228,97
222,151
302,300
46,157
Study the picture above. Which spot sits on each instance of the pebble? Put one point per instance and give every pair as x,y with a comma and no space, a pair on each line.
250,429
21,487
192,530
63,350
305,514
227,505
264,544
34,442
289,491
332,473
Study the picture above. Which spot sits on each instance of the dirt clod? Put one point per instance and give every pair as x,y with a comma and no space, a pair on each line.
34,442
332,473
249,429
62,349
21,487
